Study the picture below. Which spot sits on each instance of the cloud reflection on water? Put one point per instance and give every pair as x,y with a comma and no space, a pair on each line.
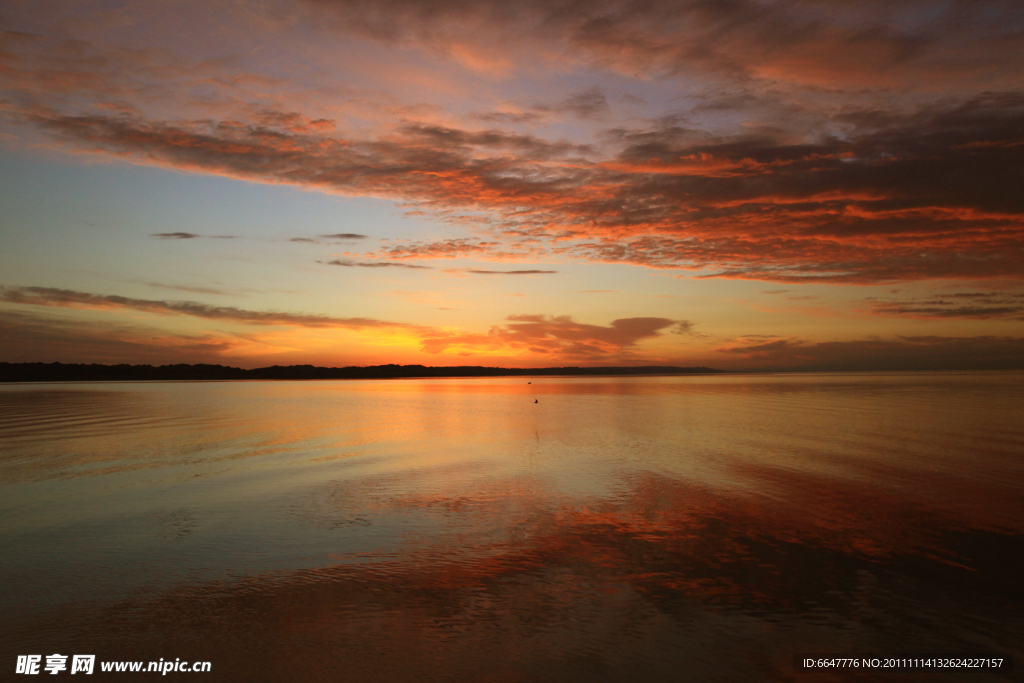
619,530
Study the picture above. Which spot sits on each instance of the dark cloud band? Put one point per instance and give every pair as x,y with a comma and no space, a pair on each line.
373,264
510,272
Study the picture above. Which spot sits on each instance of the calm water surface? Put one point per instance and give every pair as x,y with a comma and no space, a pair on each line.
620,529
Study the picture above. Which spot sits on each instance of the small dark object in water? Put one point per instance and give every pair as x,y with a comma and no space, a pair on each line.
536,401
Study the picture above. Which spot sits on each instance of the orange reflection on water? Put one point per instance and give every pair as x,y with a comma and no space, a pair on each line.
518,581
455,530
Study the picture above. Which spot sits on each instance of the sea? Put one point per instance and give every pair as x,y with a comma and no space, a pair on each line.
548,529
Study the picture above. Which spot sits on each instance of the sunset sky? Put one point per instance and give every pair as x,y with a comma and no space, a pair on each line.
741,184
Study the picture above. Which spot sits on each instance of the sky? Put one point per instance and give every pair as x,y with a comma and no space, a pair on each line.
738,184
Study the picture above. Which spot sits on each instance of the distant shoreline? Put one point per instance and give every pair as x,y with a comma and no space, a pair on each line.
80,372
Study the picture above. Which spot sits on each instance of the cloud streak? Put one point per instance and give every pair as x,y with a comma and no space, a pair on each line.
189,236
509,272
65,298
930,352
970,305
377,264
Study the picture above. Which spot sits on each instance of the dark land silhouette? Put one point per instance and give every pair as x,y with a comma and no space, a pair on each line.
80,372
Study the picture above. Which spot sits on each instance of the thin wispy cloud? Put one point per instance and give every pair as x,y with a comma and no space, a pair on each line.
926,352
968,305
192,289
65,298
976,312
334,238
507,272
373,264
176,235
190,236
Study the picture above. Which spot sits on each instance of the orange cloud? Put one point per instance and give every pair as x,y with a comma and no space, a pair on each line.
907,203
835,43
555,336
523,336
875,187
